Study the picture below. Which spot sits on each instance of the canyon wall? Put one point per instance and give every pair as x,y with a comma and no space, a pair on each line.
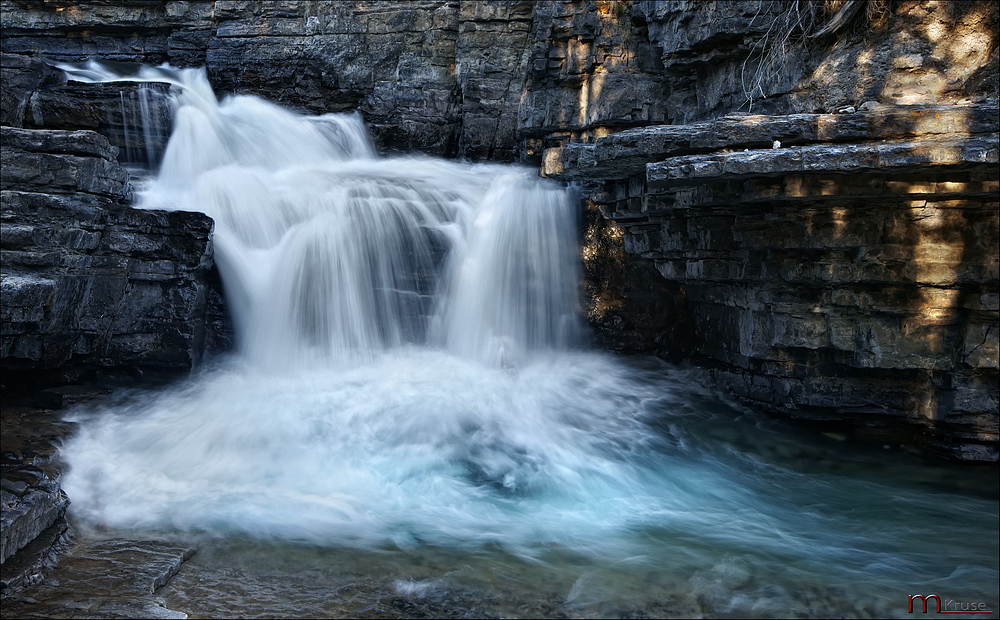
800,197
501,79
848,274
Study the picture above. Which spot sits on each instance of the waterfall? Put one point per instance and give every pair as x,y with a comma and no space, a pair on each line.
328,251
411,377
142,130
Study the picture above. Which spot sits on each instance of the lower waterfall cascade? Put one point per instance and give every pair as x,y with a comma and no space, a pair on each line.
412,377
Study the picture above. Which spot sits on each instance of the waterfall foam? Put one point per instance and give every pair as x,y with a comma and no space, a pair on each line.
410,374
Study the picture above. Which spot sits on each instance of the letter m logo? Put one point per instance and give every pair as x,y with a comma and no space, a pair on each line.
924,599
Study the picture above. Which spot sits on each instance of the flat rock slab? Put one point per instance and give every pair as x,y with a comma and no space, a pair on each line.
105,579
625,154
30,498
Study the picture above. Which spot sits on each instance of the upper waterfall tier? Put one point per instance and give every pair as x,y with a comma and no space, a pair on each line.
327,250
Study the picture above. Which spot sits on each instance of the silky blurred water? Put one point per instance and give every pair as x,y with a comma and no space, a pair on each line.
412,424
579,485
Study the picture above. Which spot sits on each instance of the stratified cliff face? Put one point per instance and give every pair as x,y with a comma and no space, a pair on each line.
833,259
847,271
491,79
481,80
88,282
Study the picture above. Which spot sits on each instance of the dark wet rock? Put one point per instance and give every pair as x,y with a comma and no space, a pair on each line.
129,30
35,560
440,77
105,579
64,395
119,566
36,95
17,488
32,506
28,515
22,75
46,161
81,144
113,110
89,283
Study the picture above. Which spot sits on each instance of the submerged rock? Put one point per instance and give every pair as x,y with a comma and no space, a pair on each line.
105,579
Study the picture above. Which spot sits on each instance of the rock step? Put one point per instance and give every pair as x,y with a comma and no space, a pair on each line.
89,281
24,518
55,161
113,578
626,154
36,559
903,155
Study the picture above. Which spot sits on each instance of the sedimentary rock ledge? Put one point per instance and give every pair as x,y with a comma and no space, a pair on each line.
89,282
625,154
883,157
106,579
32,523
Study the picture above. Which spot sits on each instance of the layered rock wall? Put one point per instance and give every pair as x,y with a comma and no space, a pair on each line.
88,282
504,79
848,271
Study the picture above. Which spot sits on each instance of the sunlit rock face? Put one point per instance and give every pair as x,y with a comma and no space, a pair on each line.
734,55
502,80
847,271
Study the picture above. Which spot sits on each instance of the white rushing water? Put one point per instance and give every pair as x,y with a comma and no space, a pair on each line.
411,372
329,253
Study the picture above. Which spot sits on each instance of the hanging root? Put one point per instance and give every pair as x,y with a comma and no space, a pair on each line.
789,26
798,22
